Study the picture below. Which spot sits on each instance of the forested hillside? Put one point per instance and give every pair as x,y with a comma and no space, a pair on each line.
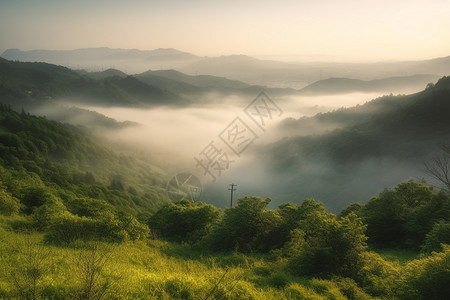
352,153
20,81
79,220
66,161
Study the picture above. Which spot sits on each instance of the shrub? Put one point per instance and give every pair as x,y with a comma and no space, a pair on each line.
249,226
9,205
184,221
440,234
324,245
108,227
428,278
379,277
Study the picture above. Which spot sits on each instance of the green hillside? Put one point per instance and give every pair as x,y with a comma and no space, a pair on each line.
22,81
68,162
80,221
350,154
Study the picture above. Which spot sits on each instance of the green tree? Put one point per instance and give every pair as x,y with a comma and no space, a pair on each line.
427,278
33,196
324,245
9,205
401,217
184,221
354,207
439,234
248,226
52,208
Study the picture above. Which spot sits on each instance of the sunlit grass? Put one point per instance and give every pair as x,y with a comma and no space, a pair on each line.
402,256
157,270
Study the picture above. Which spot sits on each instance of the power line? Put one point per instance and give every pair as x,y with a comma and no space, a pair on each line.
232,189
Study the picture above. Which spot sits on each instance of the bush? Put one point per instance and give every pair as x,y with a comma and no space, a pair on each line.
279,280
378,277
68,228
428,278
350,289
249,226
51,209
440,234
9,205
184,221
324,245
403,216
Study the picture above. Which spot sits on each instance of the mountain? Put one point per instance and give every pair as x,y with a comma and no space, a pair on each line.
374,146
30,82
128,60
386,85
350,155
244,68
103,74
299,75
203,81
70,163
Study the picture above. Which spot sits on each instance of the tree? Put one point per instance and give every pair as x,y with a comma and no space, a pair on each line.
9,205
353,207
401,217
248,226
428,278
184,221
34,196
324,245
439,167
440,234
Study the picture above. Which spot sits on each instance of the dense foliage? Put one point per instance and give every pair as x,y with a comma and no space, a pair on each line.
184,221
40,157
78,220
402,217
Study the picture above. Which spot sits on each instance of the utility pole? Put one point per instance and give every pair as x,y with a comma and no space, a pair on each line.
232,189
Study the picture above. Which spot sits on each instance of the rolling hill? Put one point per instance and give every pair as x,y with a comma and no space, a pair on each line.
373,146
70,163
22,80
93,59
385,85
236,67
350,155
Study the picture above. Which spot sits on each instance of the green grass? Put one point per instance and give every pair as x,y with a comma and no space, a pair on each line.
402,256
153,270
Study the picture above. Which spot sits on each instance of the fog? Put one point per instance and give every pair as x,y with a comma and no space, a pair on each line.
177,134
172,137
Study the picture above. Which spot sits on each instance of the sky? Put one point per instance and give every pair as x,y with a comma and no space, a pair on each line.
345,30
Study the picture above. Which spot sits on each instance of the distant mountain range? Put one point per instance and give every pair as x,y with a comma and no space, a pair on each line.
42,81
345,85
128,60
299,75
48,89
237,67
31,85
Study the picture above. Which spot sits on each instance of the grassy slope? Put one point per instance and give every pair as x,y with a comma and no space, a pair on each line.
161,270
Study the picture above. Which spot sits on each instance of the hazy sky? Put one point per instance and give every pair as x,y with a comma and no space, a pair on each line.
345,30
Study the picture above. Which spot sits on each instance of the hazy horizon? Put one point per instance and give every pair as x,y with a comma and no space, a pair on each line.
345,31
